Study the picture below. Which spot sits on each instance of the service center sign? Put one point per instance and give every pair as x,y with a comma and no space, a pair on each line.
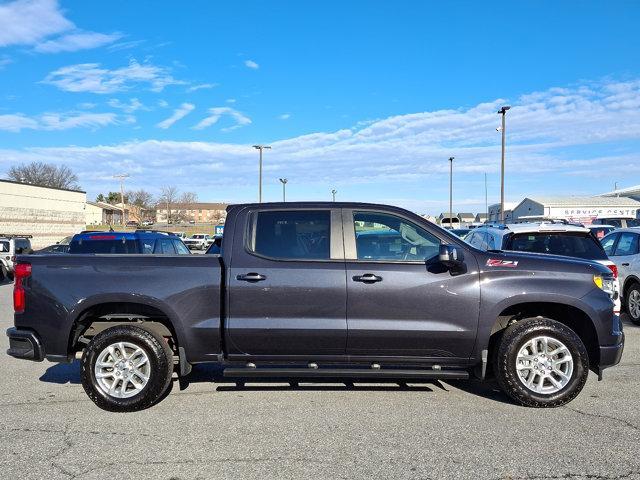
593,212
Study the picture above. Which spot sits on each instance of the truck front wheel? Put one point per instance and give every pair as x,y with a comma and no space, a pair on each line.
126,368
541,363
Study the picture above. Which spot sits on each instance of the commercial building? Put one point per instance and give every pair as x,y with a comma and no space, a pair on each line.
630,192
101,213
48,214
198,212
576,209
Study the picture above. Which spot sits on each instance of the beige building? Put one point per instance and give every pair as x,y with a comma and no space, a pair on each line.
198,212
48,214
101,213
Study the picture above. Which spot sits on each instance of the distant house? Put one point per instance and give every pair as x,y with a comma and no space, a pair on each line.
466,218
101,213
480,218
444,221
494,212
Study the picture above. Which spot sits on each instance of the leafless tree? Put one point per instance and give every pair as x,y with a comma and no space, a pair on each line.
44,175
168,197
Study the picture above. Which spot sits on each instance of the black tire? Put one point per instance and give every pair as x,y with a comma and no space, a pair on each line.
515,337
633,288
161,368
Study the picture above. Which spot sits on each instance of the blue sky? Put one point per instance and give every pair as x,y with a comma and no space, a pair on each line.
370,98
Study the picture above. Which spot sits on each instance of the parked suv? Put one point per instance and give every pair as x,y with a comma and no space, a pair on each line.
562,239
140,241
199,241
618,222
623,246
10,246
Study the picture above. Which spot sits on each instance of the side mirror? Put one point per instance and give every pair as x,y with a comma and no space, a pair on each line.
451,256
19,251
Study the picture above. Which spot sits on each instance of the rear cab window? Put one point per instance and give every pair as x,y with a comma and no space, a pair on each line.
292,234
566,244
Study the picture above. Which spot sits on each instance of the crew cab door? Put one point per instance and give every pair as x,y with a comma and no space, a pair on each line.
401,300
287,284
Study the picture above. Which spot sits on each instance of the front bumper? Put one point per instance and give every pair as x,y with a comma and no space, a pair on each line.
610,355
24,344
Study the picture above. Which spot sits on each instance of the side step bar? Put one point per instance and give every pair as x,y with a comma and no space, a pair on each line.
288,373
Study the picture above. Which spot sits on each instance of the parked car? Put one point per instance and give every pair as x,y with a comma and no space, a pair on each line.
147,223
460,232
600,231
199,241
138,242
623,247
180,235
59,247
10,246
132,223
318,291
562,239
618,222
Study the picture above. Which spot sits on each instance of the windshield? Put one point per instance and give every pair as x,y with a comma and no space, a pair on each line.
580,245
198,237
4,246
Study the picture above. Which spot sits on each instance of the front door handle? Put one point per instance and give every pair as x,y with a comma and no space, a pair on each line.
251,277
367,278
625,264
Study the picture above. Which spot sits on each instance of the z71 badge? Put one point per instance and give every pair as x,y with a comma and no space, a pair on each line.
496,262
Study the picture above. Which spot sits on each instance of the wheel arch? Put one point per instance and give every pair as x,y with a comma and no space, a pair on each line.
569,315
628,282
102,314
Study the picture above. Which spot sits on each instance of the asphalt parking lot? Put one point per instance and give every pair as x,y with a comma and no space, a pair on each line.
51,430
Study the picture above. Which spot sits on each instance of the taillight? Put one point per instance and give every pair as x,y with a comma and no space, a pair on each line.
21,271
614,270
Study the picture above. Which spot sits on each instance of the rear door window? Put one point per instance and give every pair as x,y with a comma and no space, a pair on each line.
293,234
608,242
580,245
180,247
164,246
627,245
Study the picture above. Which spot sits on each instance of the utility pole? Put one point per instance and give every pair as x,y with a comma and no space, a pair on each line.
486,198
503,112
261,148
333,193
284,189
122,177
451,192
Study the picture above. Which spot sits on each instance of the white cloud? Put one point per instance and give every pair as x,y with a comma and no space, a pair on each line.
77,41
570,133
178,114
202,86
4,61
91,77
56,121
251,64
231,100
35,22
217,112
284,116
163,103
133,105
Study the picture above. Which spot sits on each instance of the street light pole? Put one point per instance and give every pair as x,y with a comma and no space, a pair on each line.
486,198
121,177
451,192
503,112
333,193
261,148
284,189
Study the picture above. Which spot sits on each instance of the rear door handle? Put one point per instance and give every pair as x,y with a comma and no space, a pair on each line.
367,278
625,264
251,277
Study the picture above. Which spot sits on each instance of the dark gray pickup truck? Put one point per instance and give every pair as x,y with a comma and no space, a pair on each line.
320,291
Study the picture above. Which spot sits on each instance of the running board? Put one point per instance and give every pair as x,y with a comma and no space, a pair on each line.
338,373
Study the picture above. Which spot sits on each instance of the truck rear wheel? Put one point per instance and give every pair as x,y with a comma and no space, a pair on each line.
541,363
126,368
